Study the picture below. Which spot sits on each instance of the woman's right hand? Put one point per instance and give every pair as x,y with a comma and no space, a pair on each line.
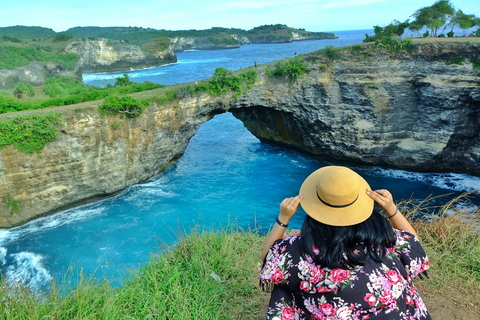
289,207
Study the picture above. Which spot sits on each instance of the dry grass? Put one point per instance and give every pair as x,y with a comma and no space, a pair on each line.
451,239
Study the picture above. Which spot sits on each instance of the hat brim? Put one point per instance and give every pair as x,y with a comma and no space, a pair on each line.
355,213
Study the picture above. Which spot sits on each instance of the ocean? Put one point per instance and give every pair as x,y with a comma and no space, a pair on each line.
226,177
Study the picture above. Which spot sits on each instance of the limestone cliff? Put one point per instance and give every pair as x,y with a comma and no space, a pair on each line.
404,110
106,55
236,40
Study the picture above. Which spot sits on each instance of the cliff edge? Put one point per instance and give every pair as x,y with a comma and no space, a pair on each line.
411,110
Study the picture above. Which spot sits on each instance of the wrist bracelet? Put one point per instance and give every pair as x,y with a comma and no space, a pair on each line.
281,224
393,214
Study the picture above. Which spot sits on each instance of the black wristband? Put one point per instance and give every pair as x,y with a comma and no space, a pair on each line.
393,215
281,224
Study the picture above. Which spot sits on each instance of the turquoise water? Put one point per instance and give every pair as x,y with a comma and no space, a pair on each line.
226,175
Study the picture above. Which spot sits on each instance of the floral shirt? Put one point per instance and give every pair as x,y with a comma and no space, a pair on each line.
304,290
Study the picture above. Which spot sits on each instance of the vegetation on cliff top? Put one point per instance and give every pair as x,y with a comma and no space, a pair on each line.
140,36
12,57
437,18
214,275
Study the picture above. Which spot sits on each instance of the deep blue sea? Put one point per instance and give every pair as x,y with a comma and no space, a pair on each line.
225,176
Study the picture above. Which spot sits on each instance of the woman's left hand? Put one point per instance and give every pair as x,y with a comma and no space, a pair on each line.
289,207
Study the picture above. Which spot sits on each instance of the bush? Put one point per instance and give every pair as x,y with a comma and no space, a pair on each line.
62,37
23,91
126,105
29,133
294,68
12,57
223,80
455,60
331,53
393,44
122,81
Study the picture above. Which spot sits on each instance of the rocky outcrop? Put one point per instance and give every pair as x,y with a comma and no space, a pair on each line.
236,40
178,44
403,110
35,74
106,55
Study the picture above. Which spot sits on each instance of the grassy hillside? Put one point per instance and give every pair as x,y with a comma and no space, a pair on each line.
24,32
140,36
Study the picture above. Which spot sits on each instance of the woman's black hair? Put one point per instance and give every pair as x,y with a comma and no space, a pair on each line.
346,247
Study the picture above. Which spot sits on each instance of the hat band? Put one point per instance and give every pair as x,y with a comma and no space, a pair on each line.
335,206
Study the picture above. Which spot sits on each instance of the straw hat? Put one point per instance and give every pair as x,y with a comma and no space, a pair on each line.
336,196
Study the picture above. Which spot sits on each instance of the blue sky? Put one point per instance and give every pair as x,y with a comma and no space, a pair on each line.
313,15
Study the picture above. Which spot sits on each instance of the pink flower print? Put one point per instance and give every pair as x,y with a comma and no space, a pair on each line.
370,298
327,309
277,276
409,300
317,274
283,249
393,276
315,250
425,265
323,289
387,297
338,275
305,286
287,313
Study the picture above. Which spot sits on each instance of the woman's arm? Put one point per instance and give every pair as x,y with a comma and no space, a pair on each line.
288,208
384,199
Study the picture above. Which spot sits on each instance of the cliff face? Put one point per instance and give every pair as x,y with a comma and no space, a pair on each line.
206,43
178,44
405,110
114,55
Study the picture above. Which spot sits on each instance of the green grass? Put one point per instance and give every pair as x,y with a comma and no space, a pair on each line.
174,285
177,284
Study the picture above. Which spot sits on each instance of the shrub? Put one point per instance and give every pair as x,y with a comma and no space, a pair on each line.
393,44
29,133
62,37
455,60
122,81
330,50
23,91
294,68
126,105
476,64
14,205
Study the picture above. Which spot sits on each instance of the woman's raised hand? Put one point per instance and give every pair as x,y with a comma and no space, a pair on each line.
289,207
384,199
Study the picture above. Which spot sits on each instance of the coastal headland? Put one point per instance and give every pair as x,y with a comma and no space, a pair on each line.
415,110
111,49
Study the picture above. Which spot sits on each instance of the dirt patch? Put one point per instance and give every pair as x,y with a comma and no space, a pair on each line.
447,305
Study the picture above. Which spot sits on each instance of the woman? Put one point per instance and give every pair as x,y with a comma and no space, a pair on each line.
348,262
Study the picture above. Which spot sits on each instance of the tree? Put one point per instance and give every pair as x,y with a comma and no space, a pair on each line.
23,91
122,81
433,17
462,20
62,37
396,28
